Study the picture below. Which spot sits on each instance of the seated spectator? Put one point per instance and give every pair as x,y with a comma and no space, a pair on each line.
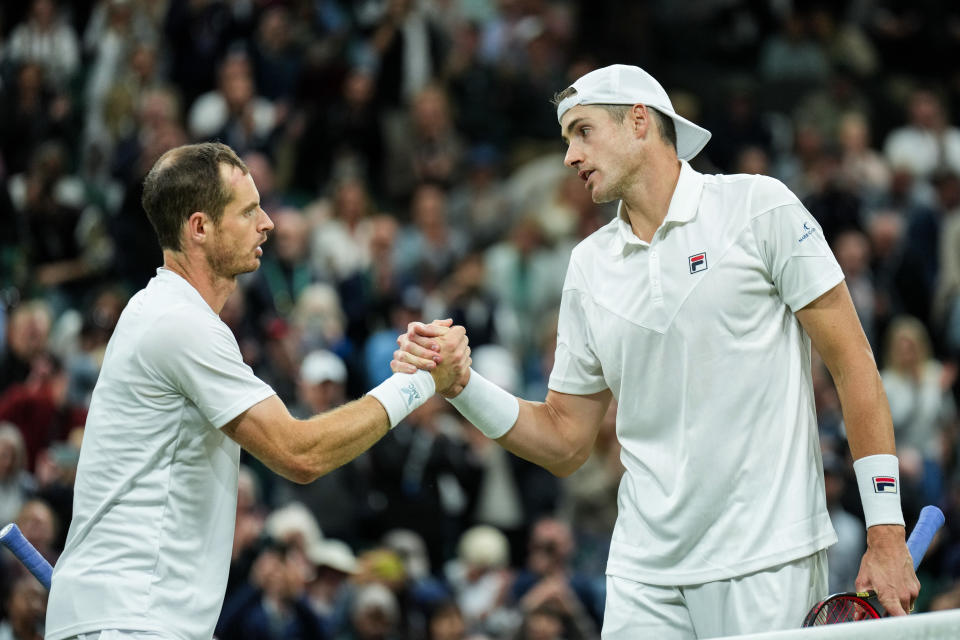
480,577
923,410
16,484
548,578
273,604
928,142
47,38
26,608
329,590
234,113
374,615
27,337
40,407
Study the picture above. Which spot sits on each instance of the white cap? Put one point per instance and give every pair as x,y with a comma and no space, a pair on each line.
332,553
322,365
626,84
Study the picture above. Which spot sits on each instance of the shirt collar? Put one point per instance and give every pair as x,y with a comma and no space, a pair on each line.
683,208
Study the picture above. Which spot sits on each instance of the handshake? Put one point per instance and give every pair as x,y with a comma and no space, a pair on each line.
439,348
442,350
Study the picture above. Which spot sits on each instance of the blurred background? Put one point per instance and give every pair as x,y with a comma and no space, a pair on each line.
410,158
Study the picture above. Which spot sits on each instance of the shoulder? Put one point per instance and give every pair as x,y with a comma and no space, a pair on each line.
755,194
597,243
590,251
181,327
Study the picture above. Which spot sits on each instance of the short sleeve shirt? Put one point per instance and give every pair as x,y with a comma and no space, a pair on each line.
695,335
155,498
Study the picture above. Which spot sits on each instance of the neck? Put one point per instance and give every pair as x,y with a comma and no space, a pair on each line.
214,289
648,200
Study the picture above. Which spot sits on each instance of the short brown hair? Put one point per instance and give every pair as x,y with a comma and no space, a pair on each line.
187,179
665,126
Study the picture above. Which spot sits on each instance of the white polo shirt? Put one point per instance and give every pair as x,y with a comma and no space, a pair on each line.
156,491
694,333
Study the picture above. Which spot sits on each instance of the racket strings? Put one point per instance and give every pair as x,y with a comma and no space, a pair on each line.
844,609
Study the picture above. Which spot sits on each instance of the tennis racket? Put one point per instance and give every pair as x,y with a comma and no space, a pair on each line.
12,538
851,606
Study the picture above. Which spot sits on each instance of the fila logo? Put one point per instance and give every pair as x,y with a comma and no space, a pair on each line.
884,484
698,262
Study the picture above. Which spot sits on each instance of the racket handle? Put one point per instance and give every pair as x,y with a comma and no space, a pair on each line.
12,538
930,520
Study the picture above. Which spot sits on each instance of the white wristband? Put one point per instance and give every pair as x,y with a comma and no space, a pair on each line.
490,408
878,478
401,393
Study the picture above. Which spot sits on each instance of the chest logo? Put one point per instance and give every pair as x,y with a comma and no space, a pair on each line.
698,262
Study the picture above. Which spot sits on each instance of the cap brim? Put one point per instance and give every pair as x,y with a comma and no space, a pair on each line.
690,137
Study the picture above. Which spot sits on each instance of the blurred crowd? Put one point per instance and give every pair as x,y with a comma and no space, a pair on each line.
410,159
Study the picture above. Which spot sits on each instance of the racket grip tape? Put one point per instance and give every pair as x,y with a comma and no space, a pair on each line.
12,538
930,520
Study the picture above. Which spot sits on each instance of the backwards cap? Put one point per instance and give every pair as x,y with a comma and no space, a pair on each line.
626,84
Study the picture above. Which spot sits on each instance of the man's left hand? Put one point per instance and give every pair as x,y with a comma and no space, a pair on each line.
887,569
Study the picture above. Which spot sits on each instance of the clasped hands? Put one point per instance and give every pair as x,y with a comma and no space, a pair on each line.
437,347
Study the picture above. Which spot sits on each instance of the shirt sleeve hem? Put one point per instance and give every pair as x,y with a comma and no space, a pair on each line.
815,290
240,406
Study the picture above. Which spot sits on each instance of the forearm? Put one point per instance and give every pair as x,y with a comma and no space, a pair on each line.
332,439
303,450
866,412
541,436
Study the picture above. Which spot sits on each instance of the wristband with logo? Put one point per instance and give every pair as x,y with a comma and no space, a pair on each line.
401,393
878,478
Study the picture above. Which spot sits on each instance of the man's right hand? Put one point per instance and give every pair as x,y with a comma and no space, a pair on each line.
439,348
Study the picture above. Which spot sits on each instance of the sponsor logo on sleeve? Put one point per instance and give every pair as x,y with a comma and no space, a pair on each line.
807,231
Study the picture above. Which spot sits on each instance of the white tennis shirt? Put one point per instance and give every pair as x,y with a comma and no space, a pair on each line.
694,333
156,491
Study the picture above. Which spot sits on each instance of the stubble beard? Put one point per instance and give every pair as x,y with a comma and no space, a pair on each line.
224,262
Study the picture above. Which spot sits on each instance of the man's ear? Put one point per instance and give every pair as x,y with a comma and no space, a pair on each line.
198,224
640,119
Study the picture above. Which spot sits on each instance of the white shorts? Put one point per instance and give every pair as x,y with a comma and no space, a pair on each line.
768,600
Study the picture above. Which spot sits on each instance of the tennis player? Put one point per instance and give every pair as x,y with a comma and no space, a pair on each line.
696,308
148,548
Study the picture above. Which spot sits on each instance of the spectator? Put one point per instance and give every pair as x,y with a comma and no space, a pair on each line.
16,484
918,388
40,407
28,333
340,239
928,142
864,170
480,577
32,113
234,113
285,272
424,147
26,608
273,604
374,615
548,579
48,39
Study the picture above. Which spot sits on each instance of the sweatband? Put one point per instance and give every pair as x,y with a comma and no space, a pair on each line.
401,393
490,408
878,478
